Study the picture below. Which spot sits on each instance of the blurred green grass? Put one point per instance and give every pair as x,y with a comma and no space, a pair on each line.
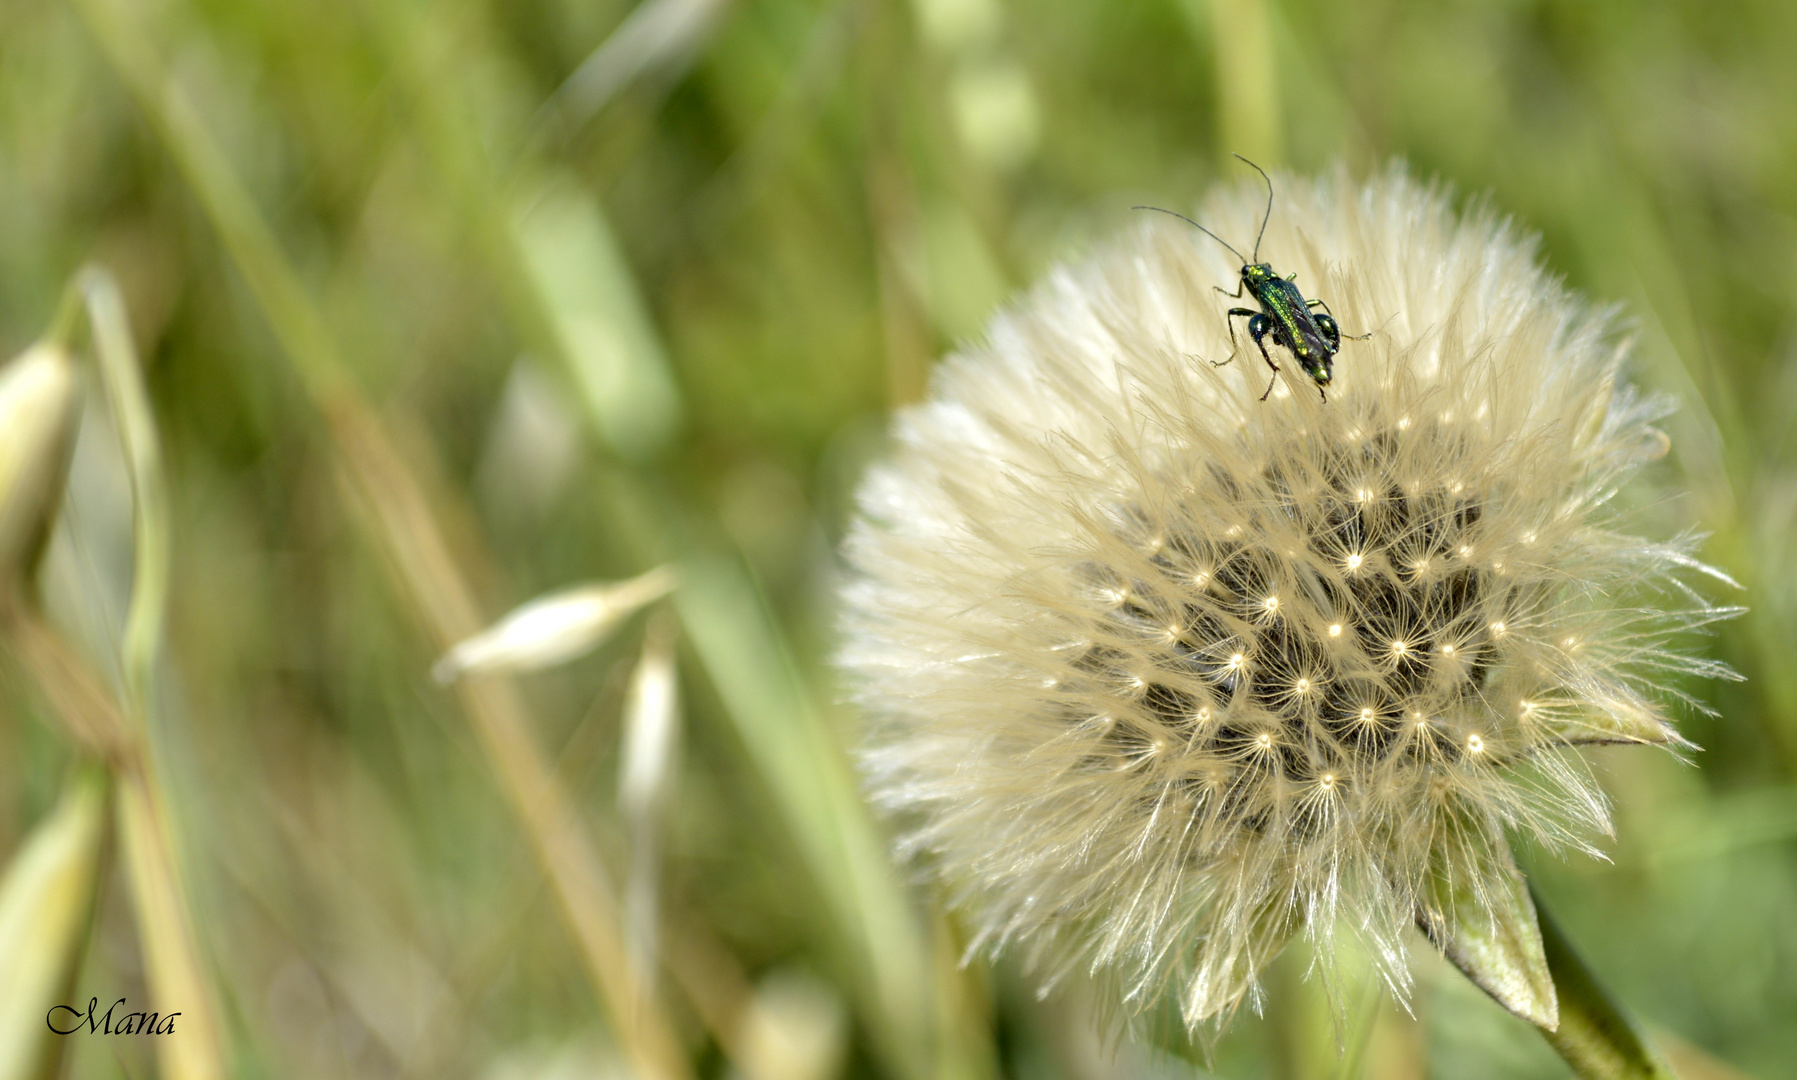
789,209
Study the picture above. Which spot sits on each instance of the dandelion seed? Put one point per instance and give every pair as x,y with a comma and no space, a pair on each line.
1091,428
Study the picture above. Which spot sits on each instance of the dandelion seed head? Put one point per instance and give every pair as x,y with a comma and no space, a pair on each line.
1271,600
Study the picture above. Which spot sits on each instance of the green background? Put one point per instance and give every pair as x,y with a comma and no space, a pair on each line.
626,286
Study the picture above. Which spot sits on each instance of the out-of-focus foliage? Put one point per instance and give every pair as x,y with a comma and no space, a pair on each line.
616,287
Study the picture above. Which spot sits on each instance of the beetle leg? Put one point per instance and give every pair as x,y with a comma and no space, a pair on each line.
1318,303
1234,347
1335,334
1258,328
1236,295
1368,334
1332,331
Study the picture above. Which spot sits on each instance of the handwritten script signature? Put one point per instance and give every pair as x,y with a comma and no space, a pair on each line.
66,1020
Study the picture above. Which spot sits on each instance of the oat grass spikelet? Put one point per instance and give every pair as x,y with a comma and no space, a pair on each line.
1159,675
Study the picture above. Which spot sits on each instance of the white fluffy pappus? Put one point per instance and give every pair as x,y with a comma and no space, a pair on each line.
1158,675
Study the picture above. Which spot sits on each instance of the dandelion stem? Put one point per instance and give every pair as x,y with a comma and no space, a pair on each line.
1594,1036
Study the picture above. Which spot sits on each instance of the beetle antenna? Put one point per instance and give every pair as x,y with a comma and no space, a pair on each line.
1194,225
1269,213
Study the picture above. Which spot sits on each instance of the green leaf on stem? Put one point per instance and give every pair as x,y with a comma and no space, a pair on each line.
1480,916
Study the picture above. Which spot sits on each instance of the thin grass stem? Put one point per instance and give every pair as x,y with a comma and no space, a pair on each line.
177,973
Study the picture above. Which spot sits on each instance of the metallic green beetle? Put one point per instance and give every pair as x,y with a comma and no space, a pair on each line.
1313,337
